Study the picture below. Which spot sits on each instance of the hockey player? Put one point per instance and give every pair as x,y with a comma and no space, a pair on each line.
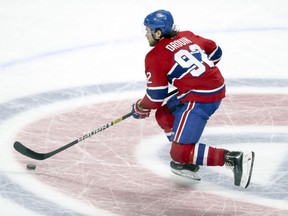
187,62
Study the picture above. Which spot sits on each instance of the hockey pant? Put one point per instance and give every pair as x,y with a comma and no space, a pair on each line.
184,124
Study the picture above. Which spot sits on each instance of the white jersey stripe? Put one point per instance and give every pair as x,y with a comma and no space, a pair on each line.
202,91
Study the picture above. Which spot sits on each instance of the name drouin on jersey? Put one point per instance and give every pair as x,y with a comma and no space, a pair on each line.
178,43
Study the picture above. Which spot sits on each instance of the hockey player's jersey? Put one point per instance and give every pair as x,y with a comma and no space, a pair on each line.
187,62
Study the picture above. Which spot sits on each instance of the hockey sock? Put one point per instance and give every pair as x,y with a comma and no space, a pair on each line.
198,153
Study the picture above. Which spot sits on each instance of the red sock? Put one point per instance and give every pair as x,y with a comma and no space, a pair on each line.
198,153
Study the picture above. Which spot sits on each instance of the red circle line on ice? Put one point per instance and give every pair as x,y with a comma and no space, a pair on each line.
105,171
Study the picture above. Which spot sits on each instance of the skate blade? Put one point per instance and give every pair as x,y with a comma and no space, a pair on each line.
248,162
187,174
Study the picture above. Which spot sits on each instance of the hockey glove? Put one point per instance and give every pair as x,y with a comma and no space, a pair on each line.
140,112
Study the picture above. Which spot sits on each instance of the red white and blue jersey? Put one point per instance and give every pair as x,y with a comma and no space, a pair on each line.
187,62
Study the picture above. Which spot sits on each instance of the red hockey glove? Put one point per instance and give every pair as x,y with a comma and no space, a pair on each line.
140,112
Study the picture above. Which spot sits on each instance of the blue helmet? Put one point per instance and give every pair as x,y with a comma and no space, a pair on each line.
161,19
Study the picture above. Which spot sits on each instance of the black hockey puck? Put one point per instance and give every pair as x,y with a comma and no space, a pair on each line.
31,166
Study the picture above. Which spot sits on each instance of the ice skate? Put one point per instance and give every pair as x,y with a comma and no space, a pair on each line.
185,170
241,165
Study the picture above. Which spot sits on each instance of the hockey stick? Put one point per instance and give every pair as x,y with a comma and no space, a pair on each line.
42,156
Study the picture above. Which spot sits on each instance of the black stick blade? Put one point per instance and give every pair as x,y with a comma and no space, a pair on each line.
28,152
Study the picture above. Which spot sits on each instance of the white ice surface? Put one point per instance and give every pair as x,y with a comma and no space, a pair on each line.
54,45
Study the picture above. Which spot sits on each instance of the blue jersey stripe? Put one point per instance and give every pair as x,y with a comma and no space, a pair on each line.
157,94
216,55
177,72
